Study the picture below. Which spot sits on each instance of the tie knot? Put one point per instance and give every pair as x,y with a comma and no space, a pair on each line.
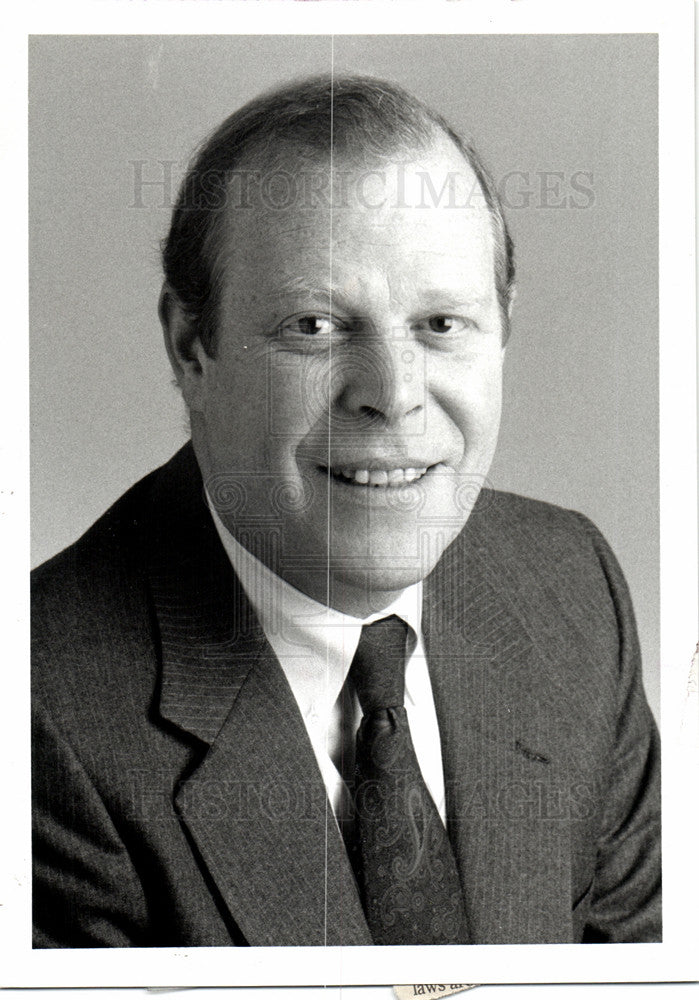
378,667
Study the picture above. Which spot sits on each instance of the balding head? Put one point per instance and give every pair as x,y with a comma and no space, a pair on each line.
352,120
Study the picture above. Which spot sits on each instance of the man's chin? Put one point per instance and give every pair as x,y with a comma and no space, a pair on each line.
361,577
363,589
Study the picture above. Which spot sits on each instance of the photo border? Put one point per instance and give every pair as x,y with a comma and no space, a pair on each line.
675,958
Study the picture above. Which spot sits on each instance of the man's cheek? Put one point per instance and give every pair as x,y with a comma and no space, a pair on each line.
298,393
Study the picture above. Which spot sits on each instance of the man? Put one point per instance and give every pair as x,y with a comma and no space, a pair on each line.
309,683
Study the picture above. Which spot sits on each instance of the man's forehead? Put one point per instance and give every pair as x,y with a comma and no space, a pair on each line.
453,226
358,272
420,210
287,249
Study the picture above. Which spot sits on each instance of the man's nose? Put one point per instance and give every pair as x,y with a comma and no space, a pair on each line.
382,379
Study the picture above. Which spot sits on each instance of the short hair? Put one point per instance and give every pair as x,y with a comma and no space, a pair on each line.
319,115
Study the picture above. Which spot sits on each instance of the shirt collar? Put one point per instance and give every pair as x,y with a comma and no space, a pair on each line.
314,643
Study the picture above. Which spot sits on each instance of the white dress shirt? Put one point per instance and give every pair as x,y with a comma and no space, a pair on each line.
315,646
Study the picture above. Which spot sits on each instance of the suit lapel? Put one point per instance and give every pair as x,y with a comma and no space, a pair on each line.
499,750
272,845
255,805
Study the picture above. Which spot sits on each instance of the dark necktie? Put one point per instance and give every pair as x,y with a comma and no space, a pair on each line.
402,856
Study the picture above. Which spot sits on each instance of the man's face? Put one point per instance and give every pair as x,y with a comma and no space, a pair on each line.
351,410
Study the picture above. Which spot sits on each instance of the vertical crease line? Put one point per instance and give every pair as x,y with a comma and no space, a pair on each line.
328,501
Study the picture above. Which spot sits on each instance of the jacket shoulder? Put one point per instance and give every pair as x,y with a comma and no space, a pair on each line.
545,560
71,583
535,530
91,630
95,567
516,508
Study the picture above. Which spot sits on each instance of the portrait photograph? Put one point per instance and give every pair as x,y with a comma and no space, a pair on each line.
352,646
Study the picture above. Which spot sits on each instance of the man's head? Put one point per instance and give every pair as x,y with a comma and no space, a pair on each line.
338,283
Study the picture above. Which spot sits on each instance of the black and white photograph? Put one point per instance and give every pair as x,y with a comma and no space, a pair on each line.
347,538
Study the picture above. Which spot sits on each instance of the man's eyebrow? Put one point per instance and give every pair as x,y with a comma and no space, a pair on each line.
421,299
293,285
324,295
448,298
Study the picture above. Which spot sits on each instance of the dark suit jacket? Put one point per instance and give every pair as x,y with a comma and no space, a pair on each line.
177,798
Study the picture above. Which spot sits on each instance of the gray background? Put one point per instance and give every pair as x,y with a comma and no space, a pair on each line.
581,419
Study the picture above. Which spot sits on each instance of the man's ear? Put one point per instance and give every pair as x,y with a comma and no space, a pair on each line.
512,295
184,347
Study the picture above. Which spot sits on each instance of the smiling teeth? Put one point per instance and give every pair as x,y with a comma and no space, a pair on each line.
381,477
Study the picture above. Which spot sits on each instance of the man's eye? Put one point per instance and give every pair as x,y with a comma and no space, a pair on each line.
310,325
446,324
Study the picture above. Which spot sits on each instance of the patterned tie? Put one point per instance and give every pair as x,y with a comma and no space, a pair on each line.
402,857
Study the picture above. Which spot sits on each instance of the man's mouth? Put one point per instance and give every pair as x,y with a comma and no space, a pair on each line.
386,478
